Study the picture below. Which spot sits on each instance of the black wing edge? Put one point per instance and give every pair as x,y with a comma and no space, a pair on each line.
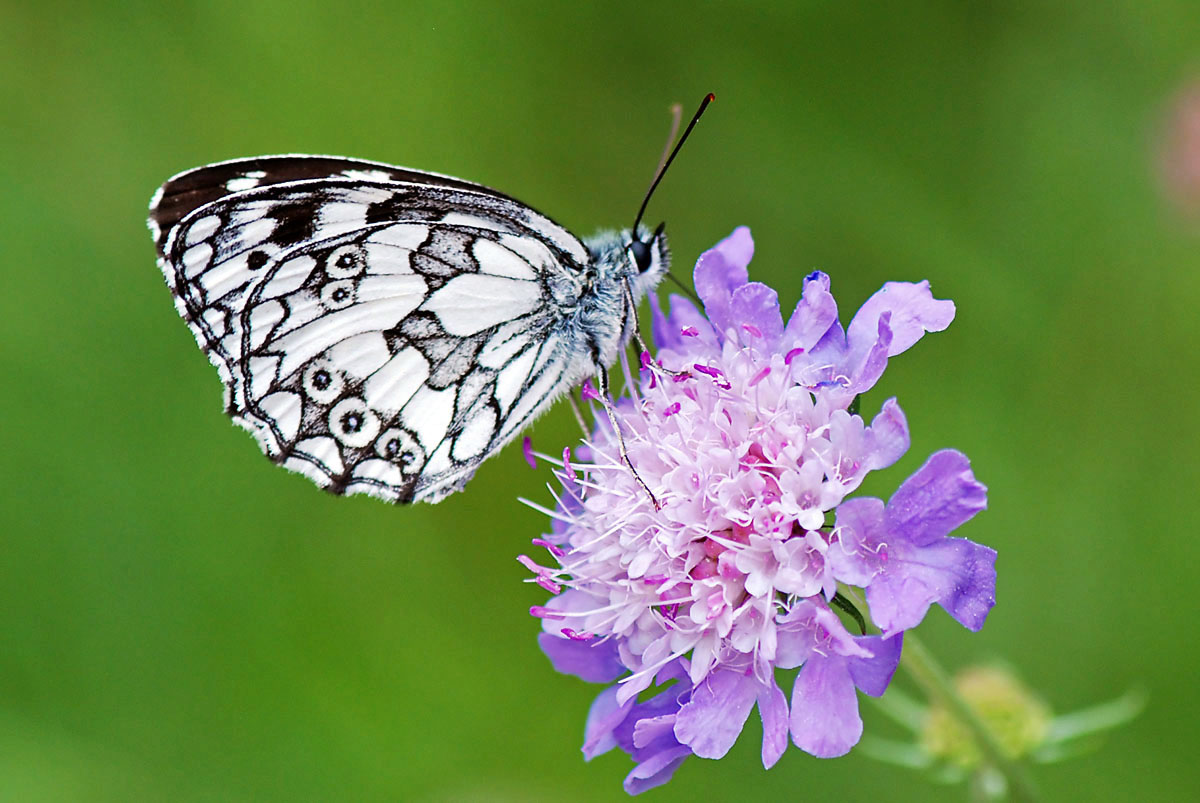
186,192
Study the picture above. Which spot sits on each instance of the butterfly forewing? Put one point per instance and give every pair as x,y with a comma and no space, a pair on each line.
380,332
192,189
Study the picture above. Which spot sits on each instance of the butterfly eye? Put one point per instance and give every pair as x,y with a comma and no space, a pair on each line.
641,255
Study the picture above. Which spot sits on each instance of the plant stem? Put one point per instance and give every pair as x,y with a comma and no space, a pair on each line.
920,664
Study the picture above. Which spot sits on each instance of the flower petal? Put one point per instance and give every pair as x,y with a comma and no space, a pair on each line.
854,556
868,358
712,720
825,720
593,661
603,718
872,675
773,708
655,771
757,305
940,496
815,313
914,311
889,435
719,271
958,574
668,329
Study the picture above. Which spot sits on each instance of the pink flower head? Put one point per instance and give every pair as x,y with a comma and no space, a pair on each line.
750,452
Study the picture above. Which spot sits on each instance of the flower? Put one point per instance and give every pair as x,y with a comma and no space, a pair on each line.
901,553
744,432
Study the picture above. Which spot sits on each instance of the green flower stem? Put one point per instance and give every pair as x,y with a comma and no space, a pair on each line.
920,664
922,667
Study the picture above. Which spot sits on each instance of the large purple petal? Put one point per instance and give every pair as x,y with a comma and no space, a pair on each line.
719,271
872,675
814,314
958,574
668,329
854,556
712,720
866,360
914,311
825,720
738,250
602,720
773,709
656,770
940,496
595,662
757,305
889,436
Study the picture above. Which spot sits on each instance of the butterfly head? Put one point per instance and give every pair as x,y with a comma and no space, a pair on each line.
648,258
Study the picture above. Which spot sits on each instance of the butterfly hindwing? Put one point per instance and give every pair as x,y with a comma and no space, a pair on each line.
378,336
368,363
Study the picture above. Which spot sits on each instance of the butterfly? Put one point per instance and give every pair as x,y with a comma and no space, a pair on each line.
383,330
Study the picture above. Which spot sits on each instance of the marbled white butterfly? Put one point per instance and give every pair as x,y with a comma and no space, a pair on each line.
384,330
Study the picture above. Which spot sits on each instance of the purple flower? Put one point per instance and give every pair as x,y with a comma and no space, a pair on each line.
748,445
901,555
644,730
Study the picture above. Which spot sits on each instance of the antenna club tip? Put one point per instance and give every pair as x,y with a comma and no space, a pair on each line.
710,97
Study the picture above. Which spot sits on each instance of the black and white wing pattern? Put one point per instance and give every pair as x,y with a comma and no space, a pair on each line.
384,330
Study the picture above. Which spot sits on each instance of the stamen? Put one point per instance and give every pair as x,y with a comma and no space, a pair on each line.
527,448
647,364
548,584
791,355
672,410
542,612
532,565
715,373
752,329
553,549
576,636
760,376
689,331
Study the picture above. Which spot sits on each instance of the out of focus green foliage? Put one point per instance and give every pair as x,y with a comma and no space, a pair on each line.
180,620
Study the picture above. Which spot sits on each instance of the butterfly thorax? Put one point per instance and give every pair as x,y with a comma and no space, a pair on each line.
603,314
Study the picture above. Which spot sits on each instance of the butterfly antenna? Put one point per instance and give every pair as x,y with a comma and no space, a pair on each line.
709,98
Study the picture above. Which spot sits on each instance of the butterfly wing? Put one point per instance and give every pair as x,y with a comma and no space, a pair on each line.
188,191
381,337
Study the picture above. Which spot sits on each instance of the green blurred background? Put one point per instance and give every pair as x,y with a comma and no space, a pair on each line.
180,620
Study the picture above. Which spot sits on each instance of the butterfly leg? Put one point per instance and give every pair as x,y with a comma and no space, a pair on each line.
606,400
641,343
